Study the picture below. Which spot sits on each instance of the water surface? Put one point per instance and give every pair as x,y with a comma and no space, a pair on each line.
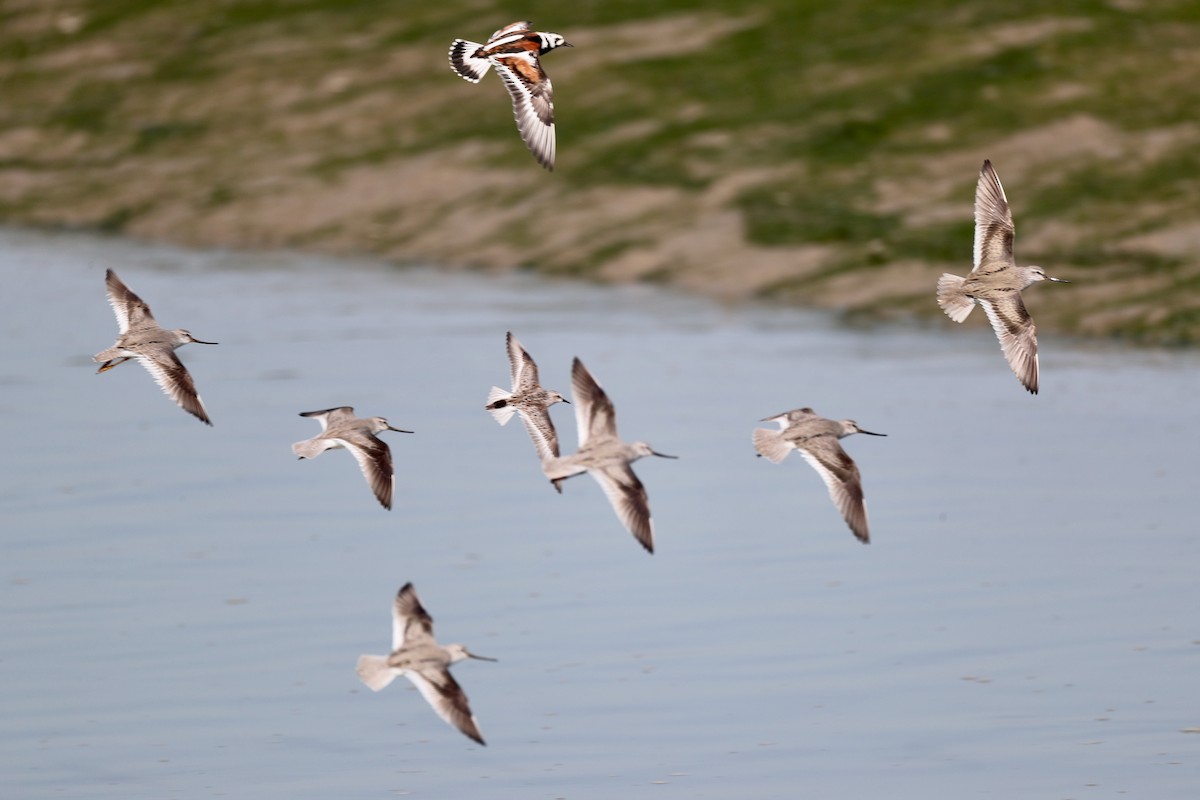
182,607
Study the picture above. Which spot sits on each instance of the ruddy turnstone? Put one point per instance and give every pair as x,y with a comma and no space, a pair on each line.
996,281
515,51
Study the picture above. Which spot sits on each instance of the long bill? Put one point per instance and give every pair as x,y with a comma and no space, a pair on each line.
870,433
661,455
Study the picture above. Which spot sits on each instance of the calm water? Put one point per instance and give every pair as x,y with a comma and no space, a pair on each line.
181,607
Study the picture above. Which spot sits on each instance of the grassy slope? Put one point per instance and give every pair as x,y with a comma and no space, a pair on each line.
819,153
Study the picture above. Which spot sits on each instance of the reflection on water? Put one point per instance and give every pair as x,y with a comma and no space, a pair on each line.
182,607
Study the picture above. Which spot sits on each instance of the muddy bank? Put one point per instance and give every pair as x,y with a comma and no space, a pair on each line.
844,181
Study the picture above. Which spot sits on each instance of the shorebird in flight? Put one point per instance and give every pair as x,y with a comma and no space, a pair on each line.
996,281
605,457
515,53
817,440
528,399
153,346
340,428
417,656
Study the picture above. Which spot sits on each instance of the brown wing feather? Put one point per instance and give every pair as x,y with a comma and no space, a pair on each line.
994,229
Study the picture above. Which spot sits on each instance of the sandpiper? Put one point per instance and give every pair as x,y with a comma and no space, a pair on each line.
340,428
417,656
527,398
515,51
153,347
602,454
817,440
996,281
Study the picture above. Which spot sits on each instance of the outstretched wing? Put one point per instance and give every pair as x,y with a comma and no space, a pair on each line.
594,413
1017,334
447,698
175,381
628,498
374,458
130,310
330,416
411,623
512,27
841,477
524,370
993,221
533,102
541,431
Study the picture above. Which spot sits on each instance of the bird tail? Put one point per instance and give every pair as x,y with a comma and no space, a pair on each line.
469,67
771,445
309,448
559,469
498,405
375,672
952,299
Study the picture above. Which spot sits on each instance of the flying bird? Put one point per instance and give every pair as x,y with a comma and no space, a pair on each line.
605,457
528,399
817,440
515,53
417,656
153,346
340,428
996,281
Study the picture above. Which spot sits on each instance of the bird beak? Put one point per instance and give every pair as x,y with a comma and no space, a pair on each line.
480,658
567,44
662,455
398,430
198,341
1057,280
869,433
565,400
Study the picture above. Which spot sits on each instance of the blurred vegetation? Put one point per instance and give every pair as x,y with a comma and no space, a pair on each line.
813,153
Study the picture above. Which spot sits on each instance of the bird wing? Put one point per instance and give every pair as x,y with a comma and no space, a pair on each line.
541,431
447,698
175,381
130,310
374,458
533,102
842,478
1017,334
512,27
524,370
789,418
328,416
411,623
628,498
594,413
993,221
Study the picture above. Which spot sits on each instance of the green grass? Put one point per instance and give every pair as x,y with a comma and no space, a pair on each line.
825,102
